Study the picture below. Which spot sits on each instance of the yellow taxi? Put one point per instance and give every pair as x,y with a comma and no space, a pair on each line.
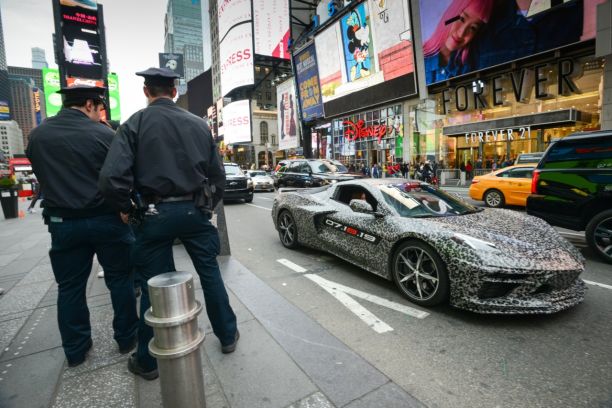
507,186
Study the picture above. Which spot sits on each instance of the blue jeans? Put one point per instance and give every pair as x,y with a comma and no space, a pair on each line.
74,241
153,254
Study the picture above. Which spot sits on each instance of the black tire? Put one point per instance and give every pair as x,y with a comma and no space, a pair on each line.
435,288
287,230
494,198
248,200
599,235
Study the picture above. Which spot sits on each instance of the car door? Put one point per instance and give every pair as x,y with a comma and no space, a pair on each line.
303,177
519,185
290,176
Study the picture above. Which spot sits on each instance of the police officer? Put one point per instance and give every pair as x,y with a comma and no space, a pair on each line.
164,155
67,152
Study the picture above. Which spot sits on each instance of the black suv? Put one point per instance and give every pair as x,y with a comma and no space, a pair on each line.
572,188
238,186
310,173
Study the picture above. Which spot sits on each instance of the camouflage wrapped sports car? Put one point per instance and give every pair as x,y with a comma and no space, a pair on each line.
435,247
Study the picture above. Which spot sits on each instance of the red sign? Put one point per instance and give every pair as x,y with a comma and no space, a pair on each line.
360,130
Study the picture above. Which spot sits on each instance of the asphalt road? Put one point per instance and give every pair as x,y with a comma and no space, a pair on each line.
450,358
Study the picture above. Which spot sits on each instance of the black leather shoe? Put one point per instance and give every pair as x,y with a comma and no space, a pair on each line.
135,368
78,361
126,349
230,348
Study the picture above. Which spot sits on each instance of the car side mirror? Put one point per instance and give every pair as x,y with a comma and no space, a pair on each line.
361,206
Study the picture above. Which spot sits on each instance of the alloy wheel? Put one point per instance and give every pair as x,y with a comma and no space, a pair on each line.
287,230
603,237
417,273
493,199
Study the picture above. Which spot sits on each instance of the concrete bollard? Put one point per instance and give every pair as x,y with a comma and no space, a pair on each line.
176,342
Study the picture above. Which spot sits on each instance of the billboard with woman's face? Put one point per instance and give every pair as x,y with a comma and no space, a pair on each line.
463,36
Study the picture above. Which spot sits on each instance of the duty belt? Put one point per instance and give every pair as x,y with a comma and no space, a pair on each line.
172,199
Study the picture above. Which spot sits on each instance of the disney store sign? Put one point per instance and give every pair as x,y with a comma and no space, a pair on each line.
498,135
359,130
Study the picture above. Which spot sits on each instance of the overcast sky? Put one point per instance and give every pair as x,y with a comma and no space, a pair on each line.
134,37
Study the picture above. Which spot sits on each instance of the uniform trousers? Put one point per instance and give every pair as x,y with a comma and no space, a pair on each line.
153,253
74,241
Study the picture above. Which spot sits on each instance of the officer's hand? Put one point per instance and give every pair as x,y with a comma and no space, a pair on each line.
124,217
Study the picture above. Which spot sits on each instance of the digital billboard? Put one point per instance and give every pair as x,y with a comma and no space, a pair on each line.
366,57
463,36
287,115
37,108
236,56
309,89
231,13
173,62
51,84
81,38
271,27
114,99
5,110
237,122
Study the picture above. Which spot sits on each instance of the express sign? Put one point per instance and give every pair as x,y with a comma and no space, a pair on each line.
359,130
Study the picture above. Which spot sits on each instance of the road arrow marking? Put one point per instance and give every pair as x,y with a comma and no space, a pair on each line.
342,293
291,265
601,285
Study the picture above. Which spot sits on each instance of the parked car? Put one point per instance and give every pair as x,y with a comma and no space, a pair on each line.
261,180
237,185
508,186
434,246
572,188
525,158
310,173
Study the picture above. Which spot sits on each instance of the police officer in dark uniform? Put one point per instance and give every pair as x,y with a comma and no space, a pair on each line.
67,152
159,167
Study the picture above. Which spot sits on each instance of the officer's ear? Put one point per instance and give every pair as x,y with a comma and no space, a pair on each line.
146,91
174,92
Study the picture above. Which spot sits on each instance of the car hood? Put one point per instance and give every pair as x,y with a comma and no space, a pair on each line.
265,179
235,177
338,176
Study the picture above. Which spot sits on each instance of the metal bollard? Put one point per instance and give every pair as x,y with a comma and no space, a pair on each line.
176,342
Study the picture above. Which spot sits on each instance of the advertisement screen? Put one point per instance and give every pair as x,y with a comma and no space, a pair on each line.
5,111
231,13
37,108
51,84
237,122
271,25
309,89
81,39
114,99
220,129
173,62
236,56
287,116
463,36
366,57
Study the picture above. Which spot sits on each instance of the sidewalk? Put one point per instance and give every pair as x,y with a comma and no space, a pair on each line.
283,358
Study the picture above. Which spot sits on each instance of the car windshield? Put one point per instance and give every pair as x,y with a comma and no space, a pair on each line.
337,166
321,167
257,173
233,170
415,200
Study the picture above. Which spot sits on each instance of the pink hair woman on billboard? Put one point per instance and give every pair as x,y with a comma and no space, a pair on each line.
447,50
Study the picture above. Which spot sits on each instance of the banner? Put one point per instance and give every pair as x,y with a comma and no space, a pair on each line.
287,116
173,62
237,122
271,25
114,99
309,89
51,85
5,110
37,108
236,58
230,13
462,36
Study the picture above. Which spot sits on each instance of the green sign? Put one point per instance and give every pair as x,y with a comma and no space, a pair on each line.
53,100
51,84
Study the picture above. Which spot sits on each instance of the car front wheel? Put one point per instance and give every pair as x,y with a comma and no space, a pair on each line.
494,198
420,274
599,235
287,230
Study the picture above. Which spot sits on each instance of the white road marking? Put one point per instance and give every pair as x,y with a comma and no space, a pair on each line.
291,265
257,206
266,198
601,285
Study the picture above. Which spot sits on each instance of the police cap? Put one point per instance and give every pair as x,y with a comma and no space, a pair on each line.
79,93
158,76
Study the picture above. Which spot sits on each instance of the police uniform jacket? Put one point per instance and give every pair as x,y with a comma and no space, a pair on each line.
161,151
67,152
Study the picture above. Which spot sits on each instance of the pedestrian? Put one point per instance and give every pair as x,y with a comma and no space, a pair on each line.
67,152
169,156
375,171
468,169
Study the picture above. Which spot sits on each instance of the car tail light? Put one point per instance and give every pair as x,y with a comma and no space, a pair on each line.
534,182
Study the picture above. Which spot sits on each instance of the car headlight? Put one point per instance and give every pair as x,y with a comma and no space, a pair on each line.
474,243
333,181
249,183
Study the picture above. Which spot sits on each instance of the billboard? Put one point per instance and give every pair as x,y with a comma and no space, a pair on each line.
81,39
220,129
366,57
51,84
37,108
309,89
231,13
271,27
5,110
114,100
236,56
173,62
463,36
237,122
287,115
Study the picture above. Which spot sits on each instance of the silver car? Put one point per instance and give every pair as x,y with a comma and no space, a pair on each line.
261,180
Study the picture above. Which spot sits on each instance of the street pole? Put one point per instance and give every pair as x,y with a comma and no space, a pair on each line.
176,342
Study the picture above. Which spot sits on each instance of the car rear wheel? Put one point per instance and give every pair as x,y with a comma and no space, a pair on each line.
287,230
599,235
494,199
420,274
249,199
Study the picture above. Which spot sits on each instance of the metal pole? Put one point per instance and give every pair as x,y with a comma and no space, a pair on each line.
177,339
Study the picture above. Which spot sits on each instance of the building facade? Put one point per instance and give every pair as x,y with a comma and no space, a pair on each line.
5,90
183,34
39,59
24,105
11,139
